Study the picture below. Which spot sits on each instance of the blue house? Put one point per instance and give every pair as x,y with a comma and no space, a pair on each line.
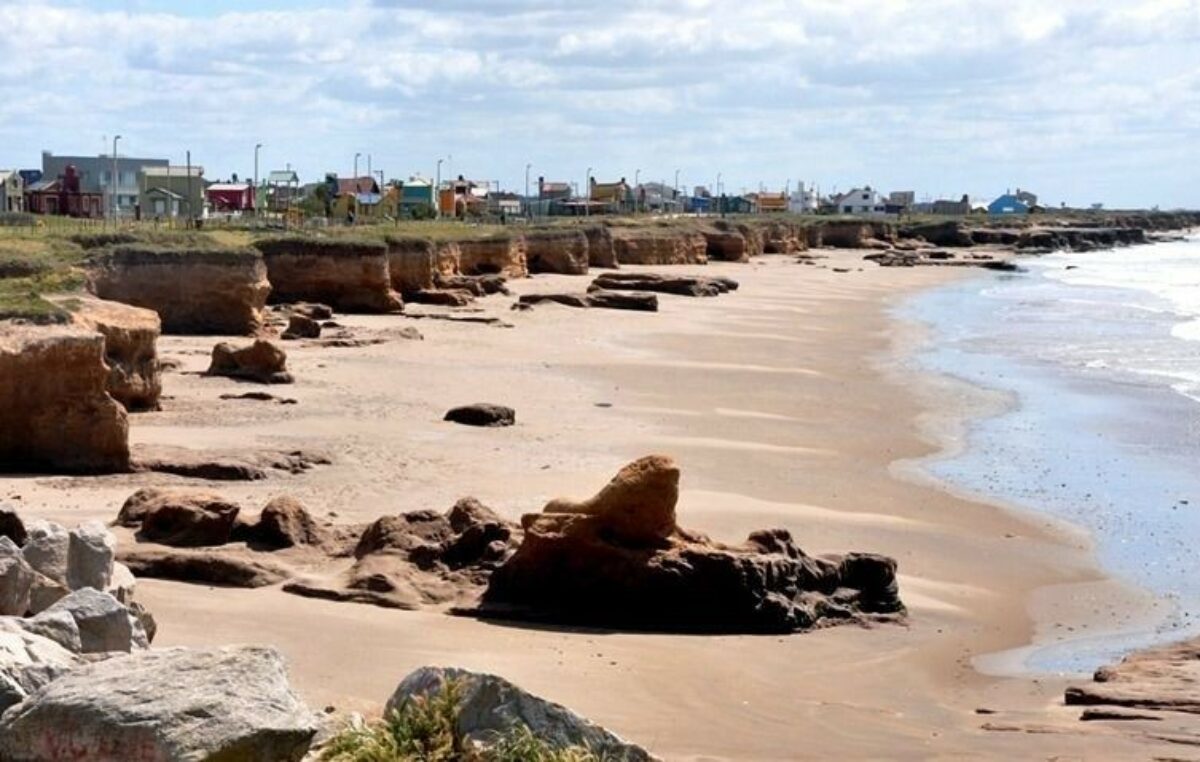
1007,204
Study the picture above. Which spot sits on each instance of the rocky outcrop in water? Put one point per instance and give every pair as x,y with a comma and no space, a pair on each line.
58,414
193,290
620,560
350,276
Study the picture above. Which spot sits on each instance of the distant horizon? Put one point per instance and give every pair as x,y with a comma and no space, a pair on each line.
1075,103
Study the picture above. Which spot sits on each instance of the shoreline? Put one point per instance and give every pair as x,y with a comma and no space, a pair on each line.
1056,605
771,401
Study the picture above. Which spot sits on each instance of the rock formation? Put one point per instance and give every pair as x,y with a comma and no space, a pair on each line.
179,518
58,415
726,245
600,246
207,566
562,251
619,560
263,362
413,264
490,706
1161,679
174,704
420,558
652,246
350,276
301,327
193,290
482,414
130,347
682,285
600,299
285,523
497,255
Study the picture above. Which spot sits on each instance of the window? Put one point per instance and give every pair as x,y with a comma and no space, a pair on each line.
128,178
104,178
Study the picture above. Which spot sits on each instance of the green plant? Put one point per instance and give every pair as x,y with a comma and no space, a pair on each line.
425,729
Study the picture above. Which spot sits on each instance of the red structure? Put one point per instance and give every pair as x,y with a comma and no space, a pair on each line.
230,197
63,197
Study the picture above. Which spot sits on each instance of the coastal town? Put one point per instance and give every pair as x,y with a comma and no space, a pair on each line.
155,189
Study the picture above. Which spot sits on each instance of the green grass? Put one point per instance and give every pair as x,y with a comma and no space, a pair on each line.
22,298
424,730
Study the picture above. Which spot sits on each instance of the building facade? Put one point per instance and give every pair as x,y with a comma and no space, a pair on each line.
12,191
95,175
172,191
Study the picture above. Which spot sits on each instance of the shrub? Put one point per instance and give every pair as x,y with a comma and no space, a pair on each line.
425,729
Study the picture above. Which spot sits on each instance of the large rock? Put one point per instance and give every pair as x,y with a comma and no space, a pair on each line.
104,624
601,252
482,414
16,579
681,285
206,567
618,560
193,290
1157,679
302,327
45,592
600,299
90,552
415,264
58,626
557,251
655,246
28,662
58,415
490,707
130,347
207,705
350,276
263,362
48,549
726,246
285,523
187,519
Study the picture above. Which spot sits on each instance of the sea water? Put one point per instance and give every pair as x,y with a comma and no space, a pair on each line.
1101,353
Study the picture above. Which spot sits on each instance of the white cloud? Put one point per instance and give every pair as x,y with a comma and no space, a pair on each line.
943,96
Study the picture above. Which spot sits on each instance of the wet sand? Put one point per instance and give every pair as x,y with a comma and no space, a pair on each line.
784,405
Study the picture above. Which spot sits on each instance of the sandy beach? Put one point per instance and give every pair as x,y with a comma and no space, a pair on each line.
787,404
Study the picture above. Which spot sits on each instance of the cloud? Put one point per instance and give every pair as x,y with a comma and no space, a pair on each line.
941,96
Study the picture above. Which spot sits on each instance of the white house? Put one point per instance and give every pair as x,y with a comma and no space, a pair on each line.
12,191
857,201
802,201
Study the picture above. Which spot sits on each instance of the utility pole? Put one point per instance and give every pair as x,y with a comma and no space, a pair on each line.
676,199
190,218
637,190
254,197
113,185
356,171
528,208
587,210
437,190
369,172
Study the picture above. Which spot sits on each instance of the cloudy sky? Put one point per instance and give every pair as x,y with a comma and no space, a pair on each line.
1079,100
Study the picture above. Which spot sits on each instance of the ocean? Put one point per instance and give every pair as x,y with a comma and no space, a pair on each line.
1100,352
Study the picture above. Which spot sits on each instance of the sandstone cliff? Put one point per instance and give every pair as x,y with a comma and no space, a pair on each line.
55,412
193,290
557,251
350,276
130,347
498,255
412,264
600,246
650,246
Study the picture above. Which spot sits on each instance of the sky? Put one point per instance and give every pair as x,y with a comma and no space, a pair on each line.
1080,101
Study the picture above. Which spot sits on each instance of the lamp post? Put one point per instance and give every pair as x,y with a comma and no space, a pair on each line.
356,171
113,184
254,196
528,208
676,199
720,197
637,190
587,210
437,190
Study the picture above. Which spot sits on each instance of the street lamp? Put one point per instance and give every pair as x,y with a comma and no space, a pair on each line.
528,208
720,196
254,196
113,184
356,171
676,199
587,210
637,185
437,190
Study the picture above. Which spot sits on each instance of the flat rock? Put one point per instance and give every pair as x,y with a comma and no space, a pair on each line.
482,414
212,705
188,520
209,567
491,706
1163,678
680,285
225,466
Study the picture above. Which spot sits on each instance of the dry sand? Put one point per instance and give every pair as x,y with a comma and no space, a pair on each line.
784,406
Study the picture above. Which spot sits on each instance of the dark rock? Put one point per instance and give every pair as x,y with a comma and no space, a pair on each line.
262,362
626,300
478,285
302,327
11,525
452,297
482,414
681,285
313,311
618,560
187,520
285,523
207,567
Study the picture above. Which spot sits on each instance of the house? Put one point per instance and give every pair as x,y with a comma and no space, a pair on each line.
899,202
358,195
1007,205
766,203
95,175
952,208
735,205
283,189
1029,199
802,201
416,196
171,191
610,198
63,196
229,198
658,197
12,191
553,198
858,201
